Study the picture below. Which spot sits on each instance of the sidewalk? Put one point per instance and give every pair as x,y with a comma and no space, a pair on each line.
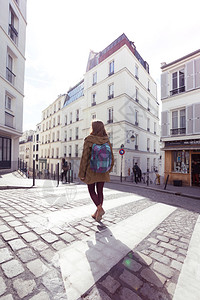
185,191
15,180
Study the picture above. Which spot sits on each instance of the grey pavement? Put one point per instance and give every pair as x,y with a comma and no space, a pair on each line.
146,247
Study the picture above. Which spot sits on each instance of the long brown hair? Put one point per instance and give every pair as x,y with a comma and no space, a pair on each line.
98,128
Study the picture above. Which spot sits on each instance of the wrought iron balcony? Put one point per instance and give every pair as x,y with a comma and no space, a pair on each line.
10,76
177,91
177,131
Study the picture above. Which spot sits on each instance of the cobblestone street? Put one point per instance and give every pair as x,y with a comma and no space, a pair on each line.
146,247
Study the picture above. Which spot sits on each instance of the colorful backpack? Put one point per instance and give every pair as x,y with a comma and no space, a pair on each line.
101,158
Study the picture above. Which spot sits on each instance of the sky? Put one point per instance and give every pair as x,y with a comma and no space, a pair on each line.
60,35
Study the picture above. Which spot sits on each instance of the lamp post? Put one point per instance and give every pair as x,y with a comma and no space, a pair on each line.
122,154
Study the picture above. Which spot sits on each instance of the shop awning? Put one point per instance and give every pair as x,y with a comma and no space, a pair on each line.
180,148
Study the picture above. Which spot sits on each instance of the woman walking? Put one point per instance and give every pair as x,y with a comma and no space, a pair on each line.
96,179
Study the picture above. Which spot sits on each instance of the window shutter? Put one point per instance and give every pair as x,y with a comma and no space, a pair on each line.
164,123
164,85
190,75
197,118
189,118
197,72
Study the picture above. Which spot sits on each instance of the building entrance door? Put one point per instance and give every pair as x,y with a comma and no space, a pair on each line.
195,169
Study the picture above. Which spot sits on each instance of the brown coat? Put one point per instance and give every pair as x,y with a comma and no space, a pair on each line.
84,169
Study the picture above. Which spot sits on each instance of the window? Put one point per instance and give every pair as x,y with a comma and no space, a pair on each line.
76,133
54,122
37,147
54,108
70,134
57,152
70,117
65,135
148,124
136,94
148,164
65,119
154,146
111,68
8,102
70,151
94,116
178,82
93,99
10,76
180,161
136,118
110,115
148,86
5,153
76,150
154,127
94,78
148,144
136,72
136,141
178,122
58,135
65,150
46,125
52,153
53,137
58,119
77,115
13,25
148,104
111,91
110,136
49,124
59,105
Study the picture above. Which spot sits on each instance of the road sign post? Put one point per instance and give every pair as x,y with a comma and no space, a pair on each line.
121,152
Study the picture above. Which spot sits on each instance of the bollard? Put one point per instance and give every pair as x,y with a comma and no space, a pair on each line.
33,172
58,174
166,182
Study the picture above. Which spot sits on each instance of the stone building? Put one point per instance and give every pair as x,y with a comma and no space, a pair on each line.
12,63
180,127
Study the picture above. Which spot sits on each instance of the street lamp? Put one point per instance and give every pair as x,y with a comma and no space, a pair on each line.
130,135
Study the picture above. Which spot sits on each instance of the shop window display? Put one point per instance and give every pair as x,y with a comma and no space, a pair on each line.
180,163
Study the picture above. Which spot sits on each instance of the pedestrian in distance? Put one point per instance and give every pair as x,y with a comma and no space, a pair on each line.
64,166
137,173
96,163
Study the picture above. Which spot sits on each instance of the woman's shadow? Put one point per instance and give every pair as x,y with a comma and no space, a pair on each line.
119,272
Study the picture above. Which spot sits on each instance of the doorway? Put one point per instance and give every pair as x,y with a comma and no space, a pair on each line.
195,169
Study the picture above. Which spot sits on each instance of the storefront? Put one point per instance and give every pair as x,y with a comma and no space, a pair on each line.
180,158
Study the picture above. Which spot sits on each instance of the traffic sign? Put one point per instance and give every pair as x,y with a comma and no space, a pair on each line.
121,151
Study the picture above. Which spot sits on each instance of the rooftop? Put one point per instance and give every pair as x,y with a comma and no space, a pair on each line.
164,65
97,57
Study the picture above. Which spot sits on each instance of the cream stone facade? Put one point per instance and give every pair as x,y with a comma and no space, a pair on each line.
12,63
50,136
180,95
126,101
118,89
36,146
26,149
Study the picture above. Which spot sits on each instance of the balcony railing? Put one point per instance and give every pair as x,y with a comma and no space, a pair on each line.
177,91
177,131
10,76
93,103
136,147
110,121
110,96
